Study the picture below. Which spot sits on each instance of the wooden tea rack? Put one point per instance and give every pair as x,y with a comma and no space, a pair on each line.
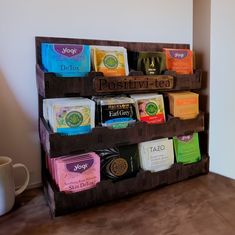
54,144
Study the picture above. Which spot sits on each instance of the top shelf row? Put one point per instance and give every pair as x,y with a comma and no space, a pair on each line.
51,86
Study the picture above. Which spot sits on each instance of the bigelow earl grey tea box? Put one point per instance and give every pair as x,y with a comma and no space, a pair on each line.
184,105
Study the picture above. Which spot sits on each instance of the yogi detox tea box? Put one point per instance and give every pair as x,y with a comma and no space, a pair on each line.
187,148
66,60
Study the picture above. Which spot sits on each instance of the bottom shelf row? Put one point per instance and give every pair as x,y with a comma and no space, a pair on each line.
62,203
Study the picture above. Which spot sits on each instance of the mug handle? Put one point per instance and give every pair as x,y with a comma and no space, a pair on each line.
24,186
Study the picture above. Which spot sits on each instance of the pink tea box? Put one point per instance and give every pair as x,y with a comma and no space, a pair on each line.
77,173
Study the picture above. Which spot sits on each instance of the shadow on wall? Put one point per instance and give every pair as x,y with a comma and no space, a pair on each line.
18,135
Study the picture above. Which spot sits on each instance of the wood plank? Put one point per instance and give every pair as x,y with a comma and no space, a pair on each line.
201,206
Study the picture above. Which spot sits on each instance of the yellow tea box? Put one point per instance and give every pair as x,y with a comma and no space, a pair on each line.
184,105
110,60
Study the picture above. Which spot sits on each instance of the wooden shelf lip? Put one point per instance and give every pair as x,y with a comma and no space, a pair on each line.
61,203
101,137
51,86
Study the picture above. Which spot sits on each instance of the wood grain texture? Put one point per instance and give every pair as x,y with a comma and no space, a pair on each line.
201,206
101,137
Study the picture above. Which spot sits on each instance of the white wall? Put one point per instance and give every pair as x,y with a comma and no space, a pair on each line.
222,108
22,20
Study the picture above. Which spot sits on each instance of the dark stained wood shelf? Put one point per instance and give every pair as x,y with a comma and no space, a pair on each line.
102,137
53,144
51,86
61,203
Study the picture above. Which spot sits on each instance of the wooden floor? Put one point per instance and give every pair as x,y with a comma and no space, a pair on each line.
201,206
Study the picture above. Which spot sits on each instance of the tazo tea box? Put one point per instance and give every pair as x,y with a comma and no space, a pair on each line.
116,112
150,108
111,61
77,173
119,163
187,148
156,155
71,116
184,105
179,60
66,60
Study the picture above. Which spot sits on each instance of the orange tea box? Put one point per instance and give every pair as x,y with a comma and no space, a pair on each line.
184,104
179,60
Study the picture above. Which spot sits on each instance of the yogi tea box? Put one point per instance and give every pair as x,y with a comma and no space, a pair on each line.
184,105
76,173
150,108
156,155
187,148
179,60
119,163
66,60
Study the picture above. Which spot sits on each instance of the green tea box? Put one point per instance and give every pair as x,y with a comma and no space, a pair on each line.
156,155
187,149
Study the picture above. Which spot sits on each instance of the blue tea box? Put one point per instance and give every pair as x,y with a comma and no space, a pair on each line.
66,60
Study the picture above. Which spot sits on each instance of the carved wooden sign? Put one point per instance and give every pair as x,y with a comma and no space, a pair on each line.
133,83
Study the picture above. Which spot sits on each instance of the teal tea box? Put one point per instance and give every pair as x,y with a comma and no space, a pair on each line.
66,60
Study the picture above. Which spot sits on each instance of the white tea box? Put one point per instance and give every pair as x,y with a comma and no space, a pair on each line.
156,155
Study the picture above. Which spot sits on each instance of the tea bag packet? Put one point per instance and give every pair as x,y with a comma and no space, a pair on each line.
71,116
111,61
66,60
119,163
150,108
187,149
116,112
151,63
184,105
179,60
156,155
77,173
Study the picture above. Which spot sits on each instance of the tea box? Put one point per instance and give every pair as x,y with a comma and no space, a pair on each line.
119,163
179,60
150,108
110,60
156,155
66,60
184,105
116,112
75,173
187,149
71,116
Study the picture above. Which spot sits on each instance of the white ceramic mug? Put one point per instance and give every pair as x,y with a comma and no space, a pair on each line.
7,185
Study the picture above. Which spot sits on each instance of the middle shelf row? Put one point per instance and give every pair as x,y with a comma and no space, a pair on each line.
56,144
